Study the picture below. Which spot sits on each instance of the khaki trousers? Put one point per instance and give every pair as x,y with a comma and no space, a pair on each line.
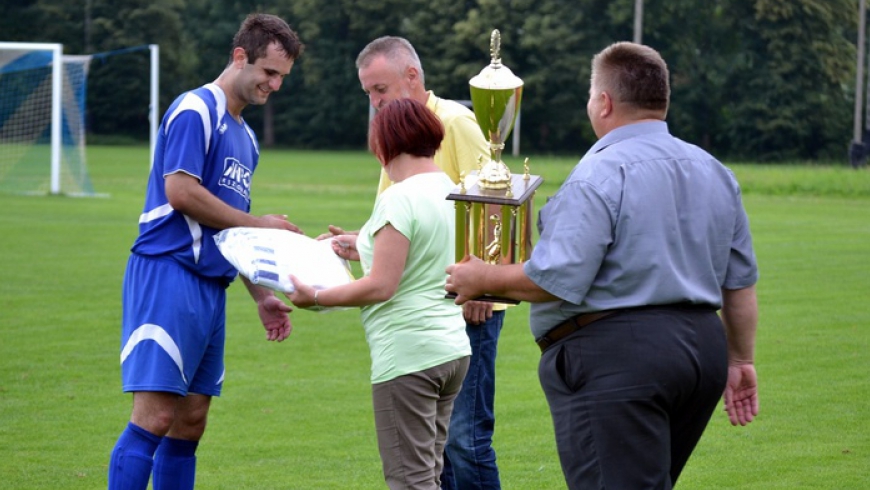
412,415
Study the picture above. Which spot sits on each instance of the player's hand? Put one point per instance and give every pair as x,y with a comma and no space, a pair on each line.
274,315
278,221
333,231
345,247
466,279
741,393
477,312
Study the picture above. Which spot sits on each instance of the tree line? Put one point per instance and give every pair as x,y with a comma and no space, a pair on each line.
759,80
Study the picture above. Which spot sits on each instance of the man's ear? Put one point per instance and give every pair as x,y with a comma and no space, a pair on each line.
413,75
606,104
240,57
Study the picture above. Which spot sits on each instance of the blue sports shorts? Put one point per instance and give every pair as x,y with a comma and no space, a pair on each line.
173,329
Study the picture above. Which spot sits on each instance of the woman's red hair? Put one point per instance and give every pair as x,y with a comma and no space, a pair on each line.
405,126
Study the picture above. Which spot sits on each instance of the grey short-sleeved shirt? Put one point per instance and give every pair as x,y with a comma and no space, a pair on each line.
643,219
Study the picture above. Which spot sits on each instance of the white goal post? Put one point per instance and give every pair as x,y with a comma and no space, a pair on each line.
13,57
42,117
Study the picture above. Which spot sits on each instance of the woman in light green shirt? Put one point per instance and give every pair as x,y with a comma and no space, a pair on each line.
419,348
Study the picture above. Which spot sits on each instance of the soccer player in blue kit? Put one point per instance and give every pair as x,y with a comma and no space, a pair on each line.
174,296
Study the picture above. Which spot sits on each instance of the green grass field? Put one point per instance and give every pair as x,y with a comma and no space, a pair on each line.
297,415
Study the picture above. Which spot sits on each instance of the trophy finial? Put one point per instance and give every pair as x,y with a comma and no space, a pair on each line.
495,47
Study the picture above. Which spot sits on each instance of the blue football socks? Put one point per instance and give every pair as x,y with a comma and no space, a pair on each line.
132,459
175,464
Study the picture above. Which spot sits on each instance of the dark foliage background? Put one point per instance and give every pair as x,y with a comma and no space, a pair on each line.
759,80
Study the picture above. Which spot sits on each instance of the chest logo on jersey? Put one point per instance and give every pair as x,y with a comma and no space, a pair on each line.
237,177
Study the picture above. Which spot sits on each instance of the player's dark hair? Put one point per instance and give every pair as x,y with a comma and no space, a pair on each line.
405,126
258,31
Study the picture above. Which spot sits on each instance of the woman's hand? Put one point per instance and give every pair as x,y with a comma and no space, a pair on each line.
345,246
303,295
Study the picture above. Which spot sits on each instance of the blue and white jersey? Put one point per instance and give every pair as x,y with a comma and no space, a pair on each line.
199,137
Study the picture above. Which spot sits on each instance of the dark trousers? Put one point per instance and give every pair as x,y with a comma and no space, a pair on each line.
631,394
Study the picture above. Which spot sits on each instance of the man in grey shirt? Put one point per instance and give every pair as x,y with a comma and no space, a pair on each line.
646,239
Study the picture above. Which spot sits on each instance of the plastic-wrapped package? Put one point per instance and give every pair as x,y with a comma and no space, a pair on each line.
267,257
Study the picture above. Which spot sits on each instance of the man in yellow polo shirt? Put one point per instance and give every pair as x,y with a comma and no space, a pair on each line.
389,69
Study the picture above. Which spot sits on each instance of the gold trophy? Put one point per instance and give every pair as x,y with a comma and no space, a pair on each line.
493,206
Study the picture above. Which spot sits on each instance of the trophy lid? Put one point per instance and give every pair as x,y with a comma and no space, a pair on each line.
496,76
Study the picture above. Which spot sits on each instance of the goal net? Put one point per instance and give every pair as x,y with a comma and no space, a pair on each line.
43,106
42,120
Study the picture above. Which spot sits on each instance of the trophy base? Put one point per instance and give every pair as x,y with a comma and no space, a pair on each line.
488,298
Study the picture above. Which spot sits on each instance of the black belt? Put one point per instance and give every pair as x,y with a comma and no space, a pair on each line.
577,322
570,326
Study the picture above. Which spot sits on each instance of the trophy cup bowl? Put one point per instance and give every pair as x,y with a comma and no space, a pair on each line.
495,97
